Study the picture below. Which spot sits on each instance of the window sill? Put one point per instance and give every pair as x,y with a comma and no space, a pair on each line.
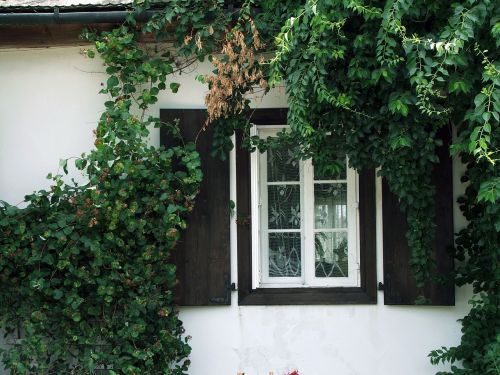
307,296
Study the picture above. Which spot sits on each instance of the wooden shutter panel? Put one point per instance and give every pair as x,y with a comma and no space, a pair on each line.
202,255
399,284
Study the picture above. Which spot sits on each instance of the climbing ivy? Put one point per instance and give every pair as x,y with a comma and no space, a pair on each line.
85,270
85,267
376,80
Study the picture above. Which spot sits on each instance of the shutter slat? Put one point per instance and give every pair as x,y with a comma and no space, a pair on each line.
399,283
202,255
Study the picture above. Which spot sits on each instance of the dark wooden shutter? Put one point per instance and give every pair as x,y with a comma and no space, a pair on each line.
202,256
399,284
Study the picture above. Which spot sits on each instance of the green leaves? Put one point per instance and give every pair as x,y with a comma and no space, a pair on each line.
91,53
489,191
64,164
112,82
80,164
459,86
85,266
400,141
404,76
174,87
89,264
397,106
93,265
58,294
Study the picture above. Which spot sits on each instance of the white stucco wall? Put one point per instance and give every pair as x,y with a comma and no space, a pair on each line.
48,108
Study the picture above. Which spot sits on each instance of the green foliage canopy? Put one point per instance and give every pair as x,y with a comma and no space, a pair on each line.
377,80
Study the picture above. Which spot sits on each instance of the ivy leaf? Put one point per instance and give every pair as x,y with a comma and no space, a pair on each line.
80,163
400,141
112,82
489,191
58,294
174,86
397,106
456,86
64,164
479,99
76,317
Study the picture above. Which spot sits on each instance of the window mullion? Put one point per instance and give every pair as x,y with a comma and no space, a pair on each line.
352,224
308,222
264,225
356,222
257,232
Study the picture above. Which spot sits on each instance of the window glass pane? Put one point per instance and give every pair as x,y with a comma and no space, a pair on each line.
330,206
331,254
332,175
284,255
283,206
282,166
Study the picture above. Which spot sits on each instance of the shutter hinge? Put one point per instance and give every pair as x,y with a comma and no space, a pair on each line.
228,288
243,220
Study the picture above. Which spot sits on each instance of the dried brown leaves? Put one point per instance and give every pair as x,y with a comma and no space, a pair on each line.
239,71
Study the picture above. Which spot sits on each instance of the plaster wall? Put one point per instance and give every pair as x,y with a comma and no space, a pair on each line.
48,108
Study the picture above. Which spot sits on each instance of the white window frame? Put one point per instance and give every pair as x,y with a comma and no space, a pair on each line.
260,256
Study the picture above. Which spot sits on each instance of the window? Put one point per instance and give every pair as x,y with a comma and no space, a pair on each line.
305,225
203,253
298,241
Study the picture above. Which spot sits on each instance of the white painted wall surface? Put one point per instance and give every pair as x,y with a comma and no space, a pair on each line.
48,108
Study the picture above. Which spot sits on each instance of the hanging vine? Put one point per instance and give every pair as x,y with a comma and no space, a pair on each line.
383,78
85,270
374,80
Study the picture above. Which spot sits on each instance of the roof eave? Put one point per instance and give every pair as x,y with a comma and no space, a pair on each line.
70,17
